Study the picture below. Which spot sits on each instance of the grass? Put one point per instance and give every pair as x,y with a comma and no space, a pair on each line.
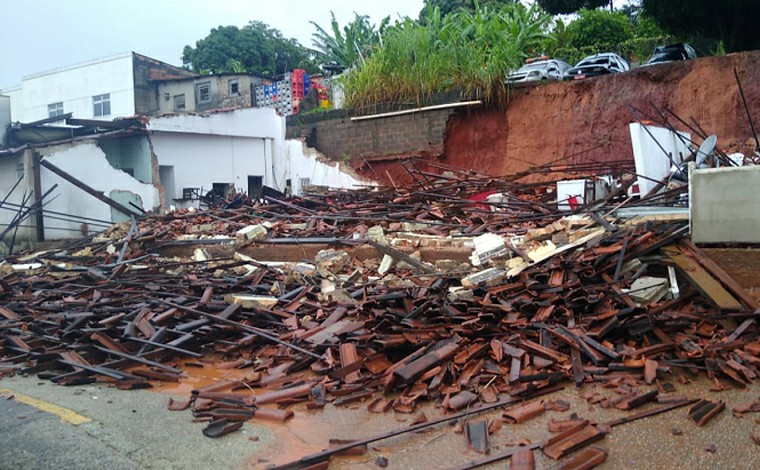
472,52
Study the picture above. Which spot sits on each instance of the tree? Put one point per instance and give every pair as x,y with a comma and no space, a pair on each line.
345,47
563,7
599,29
255,48
730,21
450,6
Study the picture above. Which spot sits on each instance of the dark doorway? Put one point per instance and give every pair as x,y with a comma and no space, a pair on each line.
255,185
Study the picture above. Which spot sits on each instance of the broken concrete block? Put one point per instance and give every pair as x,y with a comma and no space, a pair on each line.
385,265
447,265
201,228
647,289
327,287
404,265
488,277
332,260
487,247
457,294
376,234
251,301
200,255
252,232
413,226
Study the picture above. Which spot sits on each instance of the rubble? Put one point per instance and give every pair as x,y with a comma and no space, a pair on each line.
368,316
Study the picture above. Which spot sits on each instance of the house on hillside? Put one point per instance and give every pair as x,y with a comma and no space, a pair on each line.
107,88
206,92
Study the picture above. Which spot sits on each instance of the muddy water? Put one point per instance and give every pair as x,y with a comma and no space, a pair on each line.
309,431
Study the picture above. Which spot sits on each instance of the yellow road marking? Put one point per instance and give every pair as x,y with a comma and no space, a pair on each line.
67,415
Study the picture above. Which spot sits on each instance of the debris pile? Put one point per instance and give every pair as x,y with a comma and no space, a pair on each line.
531,298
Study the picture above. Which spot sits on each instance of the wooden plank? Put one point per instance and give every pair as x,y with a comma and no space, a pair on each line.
706,284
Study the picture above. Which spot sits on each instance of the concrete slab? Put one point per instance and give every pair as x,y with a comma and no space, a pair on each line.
723,205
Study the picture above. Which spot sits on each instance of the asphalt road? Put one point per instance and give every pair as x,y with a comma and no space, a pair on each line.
129,430
134,429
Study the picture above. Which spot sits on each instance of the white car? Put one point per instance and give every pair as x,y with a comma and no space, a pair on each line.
549,69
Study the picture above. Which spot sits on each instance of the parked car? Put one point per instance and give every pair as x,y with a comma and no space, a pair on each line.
597,64
671,53
544,69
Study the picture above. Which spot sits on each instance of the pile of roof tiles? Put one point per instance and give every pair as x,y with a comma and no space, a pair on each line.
544,299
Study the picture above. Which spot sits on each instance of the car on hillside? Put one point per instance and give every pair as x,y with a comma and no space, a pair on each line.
597,64
671,53
537,70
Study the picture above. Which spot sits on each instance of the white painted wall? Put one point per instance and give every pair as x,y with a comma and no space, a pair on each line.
200,160
5,116
16,96
8,166
246,122
306,162
219,147
85,161
75,86
650,159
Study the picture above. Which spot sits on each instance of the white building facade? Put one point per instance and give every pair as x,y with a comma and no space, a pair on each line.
107,88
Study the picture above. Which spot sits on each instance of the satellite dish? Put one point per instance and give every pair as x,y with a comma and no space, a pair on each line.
707,147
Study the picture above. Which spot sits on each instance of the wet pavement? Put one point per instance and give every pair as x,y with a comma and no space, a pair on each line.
135,430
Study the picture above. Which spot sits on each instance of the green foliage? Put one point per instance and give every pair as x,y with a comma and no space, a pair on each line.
345,47
450,6
733,22
562,7
471,52
596,27
634,41
255,48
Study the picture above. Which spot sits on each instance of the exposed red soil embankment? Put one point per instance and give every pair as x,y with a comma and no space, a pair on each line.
587,120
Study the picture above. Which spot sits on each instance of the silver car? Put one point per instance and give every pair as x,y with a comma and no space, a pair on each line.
597,64
550,69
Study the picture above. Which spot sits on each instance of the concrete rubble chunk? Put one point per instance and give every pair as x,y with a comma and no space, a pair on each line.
488,277
331,260
487,247
200,255
252,232
251,301
647,289
385,264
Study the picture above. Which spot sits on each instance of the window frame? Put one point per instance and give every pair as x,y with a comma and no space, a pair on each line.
184,102
199,95
55,109
236,83
101,103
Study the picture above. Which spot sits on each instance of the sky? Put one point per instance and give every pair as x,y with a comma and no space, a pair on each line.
39,35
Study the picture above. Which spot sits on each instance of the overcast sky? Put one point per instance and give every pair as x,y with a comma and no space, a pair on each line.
38,35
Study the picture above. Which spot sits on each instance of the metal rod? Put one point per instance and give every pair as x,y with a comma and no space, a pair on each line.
746,108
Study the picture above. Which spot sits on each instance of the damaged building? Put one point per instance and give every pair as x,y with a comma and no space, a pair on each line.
150,165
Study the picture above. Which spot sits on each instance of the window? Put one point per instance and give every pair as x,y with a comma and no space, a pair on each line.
203,92
304,182
179,102
101,105
234,88
55,109
19,171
